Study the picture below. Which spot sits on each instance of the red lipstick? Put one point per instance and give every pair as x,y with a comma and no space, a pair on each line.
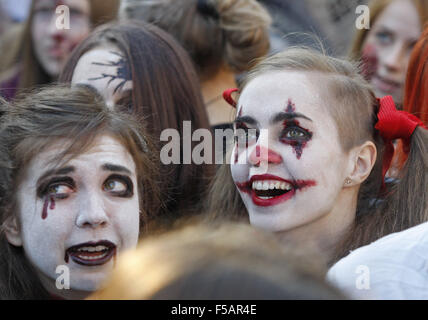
273,196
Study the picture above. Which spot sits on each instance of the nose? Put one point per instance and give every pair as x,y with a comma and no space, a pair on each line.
55,31
262,154
394,59
92,213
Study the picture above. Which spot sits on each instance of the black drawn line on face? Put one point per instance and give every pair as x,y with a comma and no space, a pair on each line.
123,71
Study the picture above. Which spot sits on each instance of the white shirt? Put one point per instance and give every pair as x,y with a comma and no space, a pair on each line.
393,267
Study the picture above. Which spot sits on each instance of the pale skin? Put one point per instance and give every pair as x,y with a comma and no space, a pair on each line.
95,199
306,153
52,45
106,70
389,44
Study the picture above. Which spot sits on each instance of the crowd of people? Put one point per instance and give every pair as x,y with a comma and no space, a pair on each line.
168,150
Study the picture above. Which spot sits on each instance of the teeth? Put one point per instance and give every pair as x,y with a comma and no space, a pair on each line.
93,249
82,256
271,184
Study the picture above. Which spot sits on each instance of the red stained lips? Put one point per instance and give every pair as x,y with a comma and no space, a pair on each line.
269,190
91,253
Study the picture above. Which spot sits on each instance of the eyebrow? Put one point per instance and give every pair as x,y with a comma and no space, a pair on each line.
51,172
246,119
115,168
288,116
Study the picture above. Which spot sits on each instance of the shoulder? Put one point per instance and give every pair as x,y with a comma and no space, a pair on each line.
395,266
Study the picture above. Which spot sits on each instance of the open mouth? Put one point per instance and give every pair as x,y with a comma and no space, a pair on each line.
91,253
268,190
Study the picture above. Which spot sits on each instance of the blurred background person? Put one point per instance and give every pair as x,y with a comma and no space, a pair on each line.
222,261
395,26
416,92
223,38
36,54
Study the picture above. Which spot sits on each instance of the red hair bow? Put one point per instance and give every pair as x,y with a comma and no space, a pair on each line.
393,124
227,95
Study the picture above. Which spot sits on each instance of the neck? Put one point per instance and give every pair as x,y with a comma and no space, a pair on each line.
325,233
218,110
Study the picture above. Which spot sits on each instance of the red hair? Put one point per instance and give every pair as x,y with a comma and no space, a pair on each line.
416,89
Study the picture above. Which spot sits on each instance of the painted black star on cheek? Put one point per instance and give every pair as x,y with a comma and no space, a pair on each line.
123,71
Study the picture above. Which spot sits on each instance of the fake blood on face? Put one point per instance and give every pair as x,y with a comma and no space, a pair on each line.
46,204
298,144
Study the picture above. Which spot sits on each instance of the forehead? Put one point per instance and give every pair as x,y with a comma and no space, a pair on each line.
98,67
105,149
402,17
80,4
269,94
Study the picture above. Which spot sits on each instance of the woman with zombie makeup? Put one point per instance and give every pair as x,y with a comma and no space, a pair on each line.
140,69
384,49
223,38
37,54
76,189
313,146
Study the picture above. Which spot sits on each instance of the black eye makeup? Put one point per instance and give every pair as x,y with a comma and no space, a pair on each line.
56,187
119,186
243,133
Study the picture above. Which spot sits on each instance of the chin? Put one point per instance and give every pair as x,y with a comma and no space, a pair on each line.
89,283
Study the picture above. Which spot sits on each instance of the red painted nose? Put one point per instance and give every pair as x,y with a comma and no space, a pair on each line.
264,154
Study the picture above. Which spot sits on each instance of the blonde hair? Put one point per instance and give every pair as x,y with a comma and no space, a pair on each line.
376,7
216,33
354,109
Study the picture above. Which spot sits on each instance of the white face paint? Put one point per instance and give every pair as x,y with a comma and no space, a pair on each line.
105,69
300,162
92,199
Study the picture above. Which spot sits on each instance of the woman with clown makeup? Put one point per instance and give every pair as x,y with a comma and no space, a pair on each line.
75,189
312,149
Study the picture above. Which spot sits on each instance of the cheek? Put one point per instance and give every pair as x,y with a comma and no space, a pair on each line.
126,221
370,60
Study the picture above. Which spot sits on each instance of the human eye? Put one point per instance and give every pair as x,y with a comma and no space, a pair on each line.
295,133
243,133
384,37
59,188
119,185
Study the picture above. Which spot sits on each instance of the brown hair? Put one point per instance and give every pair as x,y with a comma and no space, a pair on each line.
34,122
376,7
354,110
21,50
165,93
220,261
216,33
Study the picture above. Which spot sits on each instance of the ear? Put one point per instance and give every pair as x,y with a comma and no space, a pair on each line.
363,161
12,232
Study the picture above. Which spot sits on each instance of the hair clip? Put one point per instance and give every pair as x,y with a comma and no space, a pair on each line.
227,95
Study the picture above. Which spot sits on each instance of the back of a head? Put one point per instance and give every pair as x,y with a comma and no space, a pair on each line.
216,33
220,261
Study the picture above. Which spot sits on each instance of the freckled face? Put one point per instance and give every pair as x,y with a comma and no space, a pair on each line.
80,215
106,70
387,48
293,170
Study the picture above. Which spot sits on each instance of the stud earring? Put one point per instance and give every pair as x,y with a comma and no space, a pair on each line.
348,181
